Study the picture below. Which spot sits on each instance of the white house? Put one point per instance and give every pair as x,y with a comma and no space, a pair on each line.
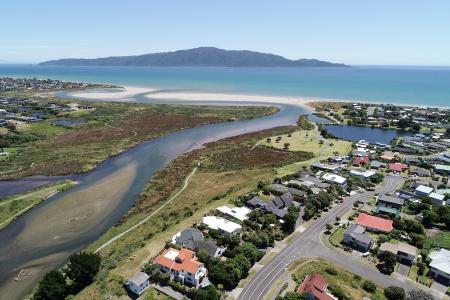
333,178
138,283
423,190
440,265
437,199
182,265
362,174
224,226
239,213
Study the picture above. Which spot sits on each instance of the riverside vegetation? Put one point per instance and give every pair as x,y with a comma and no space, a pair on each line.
102,131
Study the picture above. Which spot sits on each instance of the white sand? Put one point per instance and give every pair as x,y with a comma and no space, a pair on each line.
115,94
208,96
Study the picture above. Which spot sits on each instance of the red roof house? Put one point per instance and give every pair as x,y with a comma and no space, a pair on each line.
374,223
360,160
315,286
397,167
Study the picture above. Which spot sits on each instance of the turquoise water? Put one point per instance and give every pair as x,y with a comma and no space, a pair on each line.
420,85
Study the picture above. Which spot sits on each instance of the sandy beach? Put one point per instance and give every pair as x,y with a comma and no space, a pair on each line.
126,93
116,94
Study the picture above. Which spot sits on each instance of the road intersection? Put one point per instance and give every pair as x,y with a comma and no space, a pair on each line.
309,244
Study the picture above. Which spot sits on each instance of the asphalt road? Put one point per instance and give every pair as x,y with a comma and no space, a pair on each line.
309,244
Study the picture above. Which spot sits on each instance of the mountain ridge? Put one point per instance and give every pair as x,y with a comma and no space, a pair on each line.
196,57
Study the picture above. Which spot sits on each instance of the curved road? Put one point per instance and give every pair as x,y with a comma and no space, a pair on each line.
308,244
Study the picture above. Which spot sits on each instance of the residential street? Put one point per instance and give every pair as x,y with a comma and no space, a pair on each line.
309,244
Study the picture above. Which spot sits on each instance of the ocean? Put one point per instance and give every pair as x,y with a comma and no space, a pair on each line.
404,85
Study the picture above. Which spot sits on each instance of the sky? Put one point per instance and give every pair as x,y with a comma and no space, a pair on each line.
382,32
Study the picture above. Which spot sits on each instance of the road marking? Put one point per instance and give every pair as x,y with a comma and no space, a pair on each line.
391,183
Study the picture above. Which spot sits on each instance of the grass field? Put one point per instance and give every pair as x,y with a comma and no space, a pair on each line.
348,282
337,236
14,206
306,140
109,129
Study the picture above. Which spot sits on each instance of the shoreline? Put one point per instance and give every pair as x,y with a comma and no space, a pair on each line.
126,93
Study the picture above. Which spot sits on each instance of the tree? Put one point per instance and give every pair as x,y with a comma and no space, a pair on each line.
420,268
82,268
290,220
52,287
294,296
394,293
251,252
207,293
389,259
286,146
203,255
369,286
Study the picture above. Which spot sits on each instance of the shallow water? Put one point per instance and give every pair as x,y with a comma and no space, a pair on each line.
44,238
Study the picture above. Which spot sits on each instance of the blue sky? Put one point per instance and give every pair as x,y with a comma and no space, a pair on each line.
355,32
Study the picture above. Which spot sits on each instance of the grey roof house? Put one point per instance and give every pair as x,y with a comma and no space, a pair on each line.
354,237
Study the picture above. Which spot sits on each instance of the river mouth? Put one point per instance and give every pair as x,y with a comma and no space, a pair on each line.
44,238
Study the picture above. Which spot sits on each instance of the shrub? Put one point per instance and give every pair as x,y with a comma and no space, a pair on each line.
331,271
51,287
369,286
394,293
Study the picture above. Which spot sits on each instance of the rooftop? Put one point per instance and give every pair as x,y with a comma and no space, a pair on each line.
376,223
239,213
139,278
179,260
440,260
214,222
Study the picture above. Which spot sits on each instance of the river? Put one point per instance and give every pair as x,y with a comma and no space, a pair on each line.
43,238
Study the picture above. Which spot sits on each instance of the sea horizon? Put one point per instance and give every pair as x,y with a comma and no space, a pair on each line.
425,86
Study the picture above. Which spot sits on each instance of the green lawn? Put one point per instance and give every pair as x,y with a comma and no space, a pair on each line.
421,279
440,240
44,129
337,236
349,283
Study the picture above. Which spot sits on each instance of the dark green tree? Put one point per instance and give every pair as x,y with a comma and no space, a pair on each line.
52,287
82,268
394,293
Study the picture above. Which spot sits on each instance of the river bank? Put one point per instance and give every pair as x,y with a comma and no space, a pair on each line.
43,238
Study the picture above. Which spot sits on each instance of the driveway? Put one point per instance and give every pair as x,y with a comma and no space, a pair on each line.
403,269
439,287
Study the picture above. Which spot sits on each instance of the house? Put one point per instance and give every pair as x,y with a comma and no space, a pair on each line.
360,161
326,167
375,164
209,246
387,156
354,237
225,227
374,223
362,174
397,167
182,265
444,169
408,196
336,179
239,213
440,266
421,172
269,207
423,191
437,199
187,236
316,287
390,201
138,283
405,253
389,205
